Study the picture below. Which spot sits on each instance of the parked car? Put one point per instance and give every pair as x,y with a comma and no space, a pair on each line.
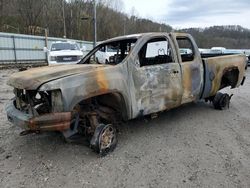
103,54
64,53
147,76
185,51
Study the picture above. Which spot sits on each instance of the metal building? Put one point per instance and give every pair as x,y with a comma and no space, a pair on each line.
19,48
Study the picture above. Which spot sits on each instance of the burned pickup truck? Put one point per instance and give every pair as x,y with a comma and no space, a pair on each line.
147,74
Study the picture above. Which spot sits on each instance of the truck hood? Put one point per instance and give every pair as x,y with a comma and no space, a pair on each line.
33,78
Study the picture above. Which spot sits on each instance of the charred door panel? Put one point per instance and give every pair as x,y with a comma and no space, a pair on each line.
158,87
191,65
156,77
192,81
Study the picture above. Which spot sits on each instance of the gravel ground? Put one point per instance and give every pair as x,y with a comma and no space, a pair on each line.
191,146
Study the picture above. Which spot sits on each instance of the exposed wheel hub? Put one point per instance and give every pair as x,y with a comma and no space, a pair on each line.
107,137
104,139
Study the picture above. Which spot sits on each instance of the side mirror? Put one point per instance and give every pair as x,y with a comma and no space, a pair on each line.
45,49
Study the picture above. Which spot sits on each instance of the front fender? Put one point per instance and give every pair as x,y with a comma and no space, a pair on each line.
79,87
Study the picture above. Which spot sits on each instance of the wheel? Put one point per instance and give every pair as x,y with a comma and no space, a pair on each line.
97,61
104,139
221,101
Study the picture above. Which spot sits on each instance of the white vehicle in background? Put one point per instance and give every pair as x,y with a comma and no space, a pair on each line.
218,50
103,55
185,51
64,53
205,51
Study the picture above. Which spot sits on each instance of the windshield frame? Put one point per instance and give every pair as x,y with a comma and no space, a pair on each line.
99,46
76,47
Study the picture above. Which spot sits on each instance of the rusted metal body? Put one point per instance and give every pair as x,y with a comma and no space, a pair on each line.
218,66
139,90
47,122
51,122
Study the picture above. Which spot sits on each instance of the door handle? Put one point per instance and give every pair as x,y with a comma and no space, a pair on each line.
175,71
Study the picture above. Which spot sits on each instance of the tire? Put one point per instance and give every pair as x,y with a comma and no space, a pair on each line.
97,61
221,101
99,143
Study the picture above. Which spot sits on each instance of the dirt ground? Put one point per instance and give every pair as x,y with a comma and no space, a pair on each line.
191,146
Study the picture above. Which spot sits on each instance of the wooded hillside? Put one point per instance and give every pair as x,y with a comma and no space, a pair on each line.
234,37
32,16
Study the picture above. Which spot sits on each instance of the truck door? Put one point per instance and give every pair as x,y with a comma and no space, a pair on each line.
191,66
156,76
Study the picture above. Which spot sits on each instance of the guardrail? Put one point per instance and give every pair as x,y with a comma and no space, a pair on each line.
19,48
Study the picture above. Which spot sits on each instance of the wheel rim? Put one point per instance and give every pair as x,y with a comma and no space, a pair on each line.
107,137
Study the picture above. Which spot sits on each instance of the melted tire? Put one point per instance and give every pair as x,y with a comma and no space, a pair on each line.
221,101
96,140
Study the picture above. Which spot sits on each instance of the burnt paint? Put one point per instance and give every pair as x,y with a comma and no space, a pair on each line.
144,89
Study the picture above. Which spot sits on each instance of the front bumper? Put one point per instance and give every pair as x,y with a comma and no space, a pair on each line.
59,121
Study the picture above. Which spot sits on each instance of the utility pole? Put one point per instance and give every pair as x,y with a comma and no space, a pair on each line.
71,20
71,25
124,26
46,31
94,21
64,25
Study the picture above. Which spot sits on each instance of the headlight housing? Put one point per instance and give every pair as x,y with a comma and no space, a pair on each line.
79,57
52,58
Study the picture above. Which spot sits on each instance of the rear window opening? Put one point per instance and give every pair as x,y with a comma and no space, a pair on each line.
186,49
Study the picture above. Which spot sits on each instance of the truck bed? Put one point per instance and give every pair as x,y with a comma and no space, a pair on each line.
207,55
215,68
